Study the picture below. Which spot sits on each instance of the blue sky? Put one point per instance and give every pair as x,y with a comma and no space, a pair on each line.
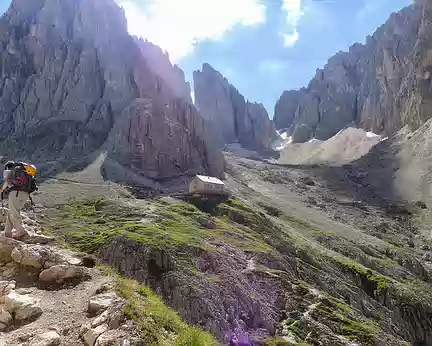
262,46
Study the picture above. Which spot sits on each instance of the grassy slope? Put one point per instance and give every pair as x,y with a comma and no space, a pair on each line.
157,323
86,226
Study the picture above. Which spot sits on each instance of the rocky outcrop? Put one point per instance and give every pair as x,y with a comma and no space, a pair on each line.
73,81
230,117
165,146
214,304
160,64
382,85
286,107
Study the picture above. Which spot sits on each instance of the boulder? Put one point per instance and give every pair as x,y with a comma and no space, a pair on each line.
92,334
113,317
22,307
34,238
9,270
64,256
102,301
31,255
50,338
113,337
60,273
6,246
5,316
5,288
99,320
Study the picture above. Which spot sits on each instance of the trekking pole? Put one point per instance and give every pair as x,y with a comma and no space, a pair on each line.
3,211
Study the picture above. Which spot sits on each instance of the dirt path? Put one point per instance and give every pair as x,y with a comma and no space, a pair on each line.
64,310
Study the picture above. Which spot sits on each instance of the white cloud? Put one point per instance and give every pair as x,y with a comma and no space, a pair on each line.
177,25
291,39
294,12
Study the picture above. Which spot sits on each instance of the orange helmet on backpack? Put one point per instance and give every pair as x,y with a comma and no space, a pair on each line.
30,169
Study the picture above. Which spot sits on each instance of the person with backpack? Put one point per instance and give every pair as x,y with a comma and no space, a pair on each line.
18,183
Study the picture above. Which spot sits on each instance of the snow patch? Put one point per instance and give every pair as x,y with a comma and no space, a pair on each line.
337,134
370,134
283,135
286,140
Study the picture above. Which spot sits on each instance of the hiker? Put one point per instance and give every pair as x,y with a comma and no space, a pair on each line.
18,184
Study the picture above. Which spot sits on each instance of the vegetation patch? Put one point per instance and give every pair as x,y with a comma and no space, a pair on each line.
278,341
415,291
261,226
370,281
87,225
272,211
157,323
342,320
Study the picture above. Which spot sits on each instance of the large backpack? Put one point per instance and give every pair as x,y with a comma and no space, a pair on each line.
21,180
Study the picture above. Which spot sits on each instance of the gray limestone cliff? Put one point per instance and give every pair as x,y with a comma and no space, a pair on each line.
160,64
74,82
382,85
231,118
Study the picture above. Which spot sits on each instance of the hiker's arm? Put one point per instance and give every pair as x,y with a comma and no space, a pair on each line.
4,186
6,178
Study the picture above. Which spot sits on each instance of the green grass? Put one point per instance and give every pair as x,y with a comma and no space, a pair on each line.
415,292
340,318
278,341
86,226
157,323
380,282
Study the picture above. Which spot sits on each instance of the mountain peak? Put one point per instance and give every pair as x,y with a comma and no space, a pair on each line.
232,118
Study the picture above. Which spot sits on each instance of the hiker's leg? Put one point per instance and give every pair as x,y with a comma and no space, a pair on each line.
16,203
8,225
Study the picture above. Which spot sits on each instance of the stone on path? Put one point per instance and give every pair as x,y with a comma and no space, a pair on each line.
50,338
22,307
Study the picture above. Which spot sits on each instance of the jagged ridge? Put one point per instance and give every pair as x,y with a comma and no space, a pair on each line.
381,86
74,82
231,118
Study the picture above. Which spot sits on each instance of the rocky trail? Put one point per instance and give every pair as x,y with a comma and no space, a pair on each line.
52,296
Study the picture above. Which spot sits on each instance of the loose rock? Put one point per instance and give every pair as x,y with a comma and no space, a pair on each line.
22,307
5,316
112,337
102,301
50,338
60,273
5,288
6,247
31,255
92,334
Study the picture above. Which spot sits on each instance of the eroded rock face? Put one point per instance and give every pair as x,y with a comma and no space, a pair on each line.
71,74
159,63
230,117
237,294
164,146
381,86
